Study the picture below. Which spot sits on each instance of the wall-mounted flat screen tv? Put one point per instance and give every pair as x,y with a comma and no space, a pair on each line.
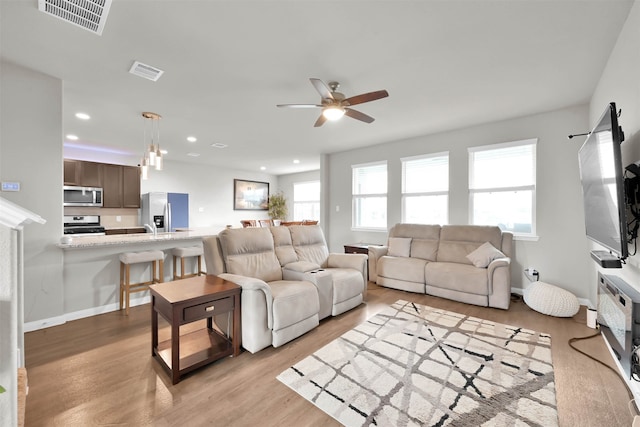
601,175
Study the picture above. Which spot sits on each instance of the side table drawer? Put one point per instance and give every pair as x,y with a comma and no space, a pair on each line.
207,309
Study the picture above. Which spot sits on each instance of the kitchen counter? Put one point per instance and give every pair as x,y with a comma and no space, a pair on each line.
91,267
133,239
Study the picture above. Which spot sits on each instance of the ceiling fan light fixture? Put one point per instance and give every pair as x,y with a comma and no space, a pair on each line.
333,112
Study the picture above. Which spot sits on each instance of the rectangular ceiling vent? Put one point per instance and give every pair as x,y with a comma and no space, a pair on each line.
147,71
88,14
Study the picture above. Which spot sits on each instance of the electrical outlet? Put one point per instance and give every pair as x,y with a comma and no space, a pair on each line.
337,208
118,218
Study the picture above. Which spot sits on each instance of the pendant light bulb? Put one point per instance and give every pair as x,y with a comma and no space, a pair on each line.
144,168
152,154
158,159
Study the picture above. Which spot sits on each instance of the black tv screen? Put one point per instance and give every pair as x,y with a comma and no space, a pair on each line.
602,181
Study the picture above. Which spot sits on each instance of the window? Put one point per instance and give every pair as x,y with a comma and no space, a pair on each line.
369,196
502,186
425,189
306,200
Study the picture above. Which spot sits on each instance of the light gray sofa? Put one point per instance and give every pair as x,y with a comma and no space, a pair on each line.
439,260
289,280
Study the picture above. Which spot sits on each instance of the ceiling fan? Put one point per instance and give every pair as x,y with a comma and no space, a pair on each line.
334,104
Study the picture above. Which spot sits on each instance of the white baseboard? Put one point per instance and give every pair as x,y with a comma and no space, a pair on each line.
67,317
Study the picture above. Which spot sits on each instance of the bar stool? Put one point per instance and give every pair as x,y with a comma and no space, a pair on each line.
182,253
156,258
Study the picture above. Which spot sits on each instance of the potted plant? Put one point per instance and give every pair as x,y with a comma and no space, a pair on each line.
278,207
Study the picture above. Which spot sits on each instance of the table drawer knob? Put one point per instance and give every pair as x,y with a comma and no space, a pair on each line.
210,308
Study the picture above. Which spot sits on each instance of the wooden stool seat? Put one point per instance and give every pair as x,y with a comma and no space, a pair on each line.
156,258
182,253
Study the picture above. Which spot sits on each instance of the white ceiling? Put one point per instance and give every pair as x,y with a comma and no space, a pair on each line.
445,64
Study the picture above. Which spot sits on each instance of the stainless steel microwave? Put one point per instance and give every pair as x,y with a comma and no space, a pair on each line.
82,196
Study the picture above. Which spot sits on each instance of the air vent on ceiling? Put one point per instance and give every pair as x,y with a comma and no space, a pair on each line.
88,14
147,71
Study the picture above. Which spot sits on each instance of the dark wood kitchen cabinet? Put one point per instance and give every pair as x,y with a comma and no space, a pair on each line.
83,173
130,187
112,195
121,186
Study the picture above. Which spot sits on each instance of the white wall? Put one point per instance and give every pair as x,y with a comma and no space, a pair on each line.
210,191
31,153
620,83
558,254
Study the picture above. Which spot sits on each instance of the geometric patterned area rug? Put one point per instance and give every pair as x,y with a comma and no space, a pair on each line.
413,365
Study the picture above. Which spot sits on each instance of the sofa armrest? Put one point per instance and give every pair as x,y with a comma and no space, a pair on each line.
300,266
355,261
375,252
499,276
249,284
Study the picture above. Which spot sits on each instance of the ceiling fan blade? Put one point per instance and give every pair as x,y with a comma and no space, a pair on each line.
358,115
322,88
299,105
320,121
366,97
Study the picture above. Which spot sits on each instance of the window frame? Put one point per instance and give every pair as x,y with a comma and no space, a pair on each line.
404,194
355,197
533,142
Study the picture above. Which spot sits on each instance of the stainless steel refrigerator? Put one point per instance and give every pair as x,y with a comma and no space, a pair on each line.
167,211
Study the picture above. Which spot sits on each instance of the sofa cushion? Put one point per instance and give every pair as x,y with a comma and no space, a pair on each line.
347,283
424,249
457,241
459,277
407,269
416,231
399,246
283,245
250,252
293,301
483,256
309,244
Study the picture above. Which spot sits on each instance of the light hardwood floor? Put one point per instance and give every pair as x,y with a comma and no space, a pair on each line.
99,371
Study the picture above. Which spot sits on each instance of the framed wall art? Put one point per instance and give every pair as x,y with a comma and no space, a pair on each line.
250,195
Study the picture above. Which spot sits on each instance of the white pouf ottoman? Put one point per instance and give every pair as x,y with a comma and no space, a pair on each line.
551,300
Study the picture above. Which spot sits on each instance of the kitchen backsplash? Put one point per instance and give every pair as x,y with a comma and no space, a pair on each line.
108,216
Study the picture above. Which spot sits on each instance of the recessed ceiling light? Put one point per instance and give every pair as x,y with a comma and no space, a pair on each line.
296,161
192,139
83,116
164,151
193,154
219,145
71,137
263,168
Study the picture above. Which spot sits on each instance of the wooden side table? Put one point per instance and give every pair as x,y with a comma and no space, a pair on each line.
357,248
184,301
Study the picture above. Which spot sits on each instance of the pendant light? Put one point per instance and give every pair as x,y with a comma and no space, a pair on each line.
152,155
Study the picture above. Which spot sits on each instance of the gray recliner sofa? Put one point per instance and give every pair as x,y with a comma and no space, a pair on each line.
466,263
289,280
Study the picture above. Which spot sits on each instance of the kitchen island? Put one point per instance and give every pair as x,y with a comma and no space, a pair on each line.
91,270
132,240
